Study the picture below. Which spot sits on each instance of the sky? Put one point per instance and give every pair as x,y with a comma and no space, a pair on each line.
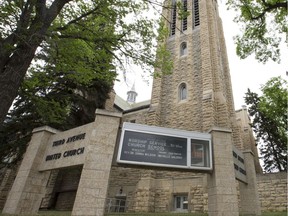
247,73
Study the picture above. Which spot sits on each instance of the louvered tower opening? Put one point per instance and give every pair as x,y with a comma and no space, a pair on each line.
184,21
196,17
173,18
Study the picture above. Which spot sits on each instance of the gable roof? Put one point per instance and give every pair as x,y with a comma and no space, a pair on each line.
124,106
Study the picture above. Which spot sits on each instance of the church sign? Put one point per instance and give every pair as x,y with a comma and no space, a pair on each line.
164,147
65,149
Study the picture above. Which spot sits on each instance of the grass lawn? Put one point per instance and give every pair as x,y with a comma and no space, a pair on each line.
186,214
274,214
68,213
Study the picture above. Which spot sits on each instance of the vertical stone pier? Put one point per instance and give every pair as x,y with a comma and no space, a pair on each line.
222,193
29,186
92,189
145,192
249,198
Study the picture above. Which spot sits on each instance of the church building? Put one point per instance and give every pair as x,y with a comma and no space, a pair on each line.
197,97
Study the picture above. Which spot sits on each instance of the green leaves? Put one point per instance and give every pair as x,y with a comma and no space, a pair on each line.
79,48
163,63
181,10
269,113
112,33
264,23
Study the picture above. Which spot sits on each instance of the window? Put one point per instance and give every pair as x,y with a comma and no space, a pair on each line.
117,204
197,154
180,203
183,49
120,205
196,17
173,18
200,150
184,20
182,92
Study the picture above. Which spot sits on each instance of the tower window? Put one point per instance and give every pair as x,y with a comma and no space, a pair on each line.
196,17
183,49
182,92
173,18
184,20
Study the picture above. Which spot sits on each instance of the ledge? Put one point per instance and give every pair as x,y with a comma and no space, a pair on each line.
108,113
248,152
45,128
219,129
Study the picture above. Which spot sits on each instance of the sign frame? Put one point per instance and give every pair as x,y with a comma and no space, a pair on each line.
168,132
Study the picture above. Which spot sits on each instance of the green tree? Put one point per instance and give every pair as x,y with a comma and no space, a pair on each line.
58,93
74,67
28,26
263,25
269,114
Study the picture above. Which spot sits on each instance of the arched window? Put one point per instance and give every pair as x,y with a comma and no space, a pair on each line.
182,92
183,49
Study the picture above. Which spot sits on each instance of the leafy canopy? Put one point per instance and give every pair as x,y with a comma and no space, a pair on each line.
264,23
74,67
70,80
119,27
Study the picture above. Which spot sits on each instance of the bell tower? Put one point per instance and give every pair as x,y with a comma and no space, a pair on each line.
197,96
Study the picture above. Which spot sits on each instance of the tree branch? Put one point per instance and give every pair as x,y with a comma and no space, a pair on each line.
77,19
270,7
53,11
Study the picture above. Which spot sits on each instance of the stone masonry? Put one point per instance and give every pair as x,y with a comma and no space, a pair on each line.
205,72
272,189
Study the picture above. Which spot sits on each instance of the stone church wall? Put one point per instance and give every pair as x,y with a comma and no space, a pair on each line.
272,190
139,117
148,190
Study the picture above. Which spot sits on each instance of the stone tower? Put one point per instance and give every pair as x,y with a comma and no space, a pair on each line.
198,94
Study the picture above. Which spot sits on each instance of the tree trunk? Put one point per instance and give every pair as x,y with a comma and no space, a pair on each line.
15,65
12,76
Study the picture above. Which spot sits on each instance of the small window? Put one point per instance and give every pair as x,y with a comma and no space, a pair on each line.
183,49
180,203
200,151
120,205
182,92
